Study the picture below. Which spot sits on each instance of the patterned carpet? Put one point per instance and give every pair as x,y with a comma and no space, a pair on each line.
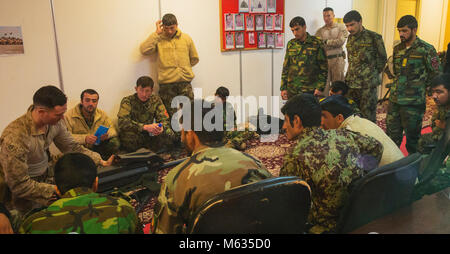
271,150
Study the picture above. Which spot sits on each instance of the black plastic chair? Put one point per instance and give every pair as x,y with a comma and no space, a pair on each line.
380,192
271,206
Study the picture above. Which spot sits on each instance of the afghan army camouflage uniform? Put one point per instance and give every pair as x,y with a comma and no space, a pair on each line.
234,138
414,68
329,160
134,114
437,132
366,60
439,181
80,210
305,66
207,172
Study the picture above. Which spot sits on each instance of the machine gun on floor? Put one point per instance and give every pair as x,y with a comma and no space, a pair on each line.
130,168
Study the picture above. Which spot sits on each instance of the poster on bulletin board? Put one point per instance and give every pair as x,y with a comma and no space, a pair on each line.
251,24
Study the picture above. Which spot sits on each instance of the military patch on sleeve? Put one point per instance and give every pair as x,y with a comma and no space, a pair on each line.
435,63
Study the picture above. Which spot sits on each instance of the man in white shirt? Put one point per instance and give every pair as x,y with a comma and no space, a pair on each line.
337,113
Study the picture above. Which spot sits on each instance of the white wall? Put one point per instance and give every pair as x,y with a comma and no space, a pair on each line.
21,75
432,22
99,48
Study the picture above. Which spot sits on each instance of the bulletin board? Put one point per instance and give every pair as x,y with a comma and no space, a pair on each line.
251,24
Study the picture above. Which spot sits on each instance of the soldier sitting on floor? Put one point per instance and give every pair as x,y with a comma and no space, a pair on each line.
143,120
233,138
83,121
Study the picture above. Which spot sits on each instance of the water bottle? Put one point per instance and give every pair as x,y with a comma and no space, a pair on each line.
151,134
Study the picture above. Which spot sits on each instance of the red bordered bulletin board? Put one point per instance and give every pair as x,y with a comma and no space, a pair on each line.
239,19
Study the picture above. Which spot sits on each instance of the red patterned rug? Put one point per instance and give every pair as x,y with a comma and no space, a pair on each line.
271,149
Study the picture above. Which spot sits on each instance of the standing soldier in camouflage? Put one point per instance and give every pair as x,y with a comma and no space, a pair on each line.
328,160
26,175
139,118
415,64
334,36
305,65
366,60
79,209
211,169
440,87
83,121
176,57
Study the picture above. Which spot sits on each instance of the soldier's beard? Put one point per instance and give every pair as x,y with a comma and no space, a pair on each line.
404,39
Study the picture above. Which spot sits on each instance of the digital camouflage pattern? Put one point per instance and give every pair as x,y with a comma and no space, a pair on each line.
82,211
365,102
134,114
305,66
168,92
437,132
366,60
414,68
329,161
207,172
438,182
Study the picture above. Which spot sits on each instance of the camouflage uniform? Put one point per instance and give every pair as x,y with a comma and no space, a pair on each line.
207,172
25,162
234,138
366,60
414,68
329,160
168,92
134,114
305,66
436,134
438,182
80,210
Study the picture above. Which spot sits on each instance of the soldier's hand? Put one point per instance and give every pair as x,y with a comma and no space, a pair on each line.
5,225
90,139
108,162
284,94
159,27
53,198
104,137
158,130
